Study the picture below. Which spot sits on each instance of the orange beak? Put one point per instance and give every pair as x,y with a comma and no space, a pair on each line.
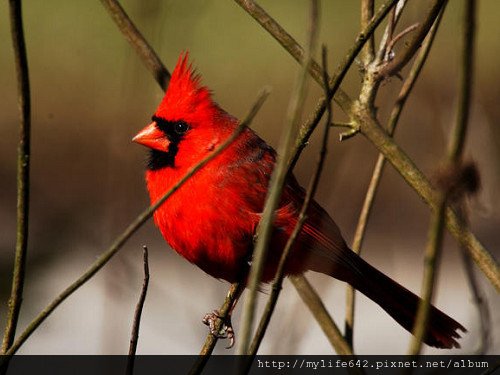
152,137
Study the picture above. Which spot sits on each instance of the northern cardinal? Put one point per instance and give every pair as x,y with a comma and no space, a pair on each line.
212,218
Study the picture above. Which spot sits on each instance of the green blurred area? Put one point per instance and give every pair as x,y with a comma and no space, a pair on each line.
91,94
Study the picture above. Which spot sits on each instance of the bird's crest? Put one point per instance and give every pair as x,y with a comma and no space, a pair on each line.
186,98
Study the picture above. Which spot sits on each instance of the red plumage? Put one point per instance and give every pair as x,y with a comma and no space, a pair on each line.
212,218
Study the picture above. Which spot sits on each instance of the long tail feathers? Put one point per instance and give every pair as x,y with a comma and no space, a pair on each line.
402,305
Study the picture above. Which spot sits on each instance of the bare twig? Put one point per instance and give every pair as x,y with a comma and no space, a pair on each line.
408,30
131,229
296,51
23,171
137,41
434,246
389,30
276,185
134,336
367,9
315,305
402,59
278,279
377,171
477,294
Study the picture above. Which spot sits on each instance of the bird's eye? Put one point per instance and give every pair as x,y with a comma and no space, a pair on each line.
181,127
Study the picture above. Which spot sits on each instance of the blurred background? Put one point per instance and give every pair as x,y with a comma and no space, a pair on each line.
91,94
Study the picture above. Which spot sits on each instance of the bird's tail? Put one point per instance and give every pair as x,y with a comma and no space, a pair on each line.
402,304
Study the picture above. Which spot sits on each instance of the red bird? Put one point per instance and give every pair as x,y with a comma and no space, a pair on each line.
212,218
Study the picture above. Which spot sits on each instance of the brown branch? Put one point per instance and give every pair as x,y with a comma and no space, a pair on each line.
134,336
478,296
23,172
295,50
276,185
278,279
234,292
434,246
402,59
137,41
379,166
367,9
389,31
408,30
315,305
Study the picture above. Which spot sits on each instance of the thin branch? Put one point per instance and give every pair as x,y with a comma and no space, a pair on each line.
134,336
233,294
276,185
417,181
431,262
280,272
455,150
137,41
389,30
296,51
372,130
335,81
379,166
23,172
408,30
402,59
478,296
315,305
367,9
131,229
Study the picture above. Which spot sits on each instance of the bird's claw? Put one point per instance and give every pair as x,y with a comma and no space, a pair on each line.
226,329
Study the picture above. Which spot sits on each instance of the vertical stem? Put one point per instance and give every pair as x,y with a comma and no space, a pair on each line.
379,167
280,272
367,8
23,170
454,156
134,336
278,180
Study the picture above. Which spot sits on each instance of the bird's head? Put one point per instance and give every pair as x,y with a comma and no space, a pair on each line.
187,123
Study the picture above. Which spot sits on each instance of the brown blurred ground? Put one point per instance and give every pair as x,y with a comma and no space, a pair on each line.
91,94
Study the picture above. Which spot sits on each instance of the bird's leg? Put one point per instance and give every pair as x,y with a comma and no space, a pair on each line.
225,330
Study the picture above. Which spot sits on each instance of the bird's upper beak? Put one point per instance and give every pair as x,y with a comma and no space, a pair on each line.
152,137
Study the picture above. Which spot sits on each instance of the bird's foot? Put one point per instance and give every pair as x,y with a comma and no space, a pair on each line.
226,328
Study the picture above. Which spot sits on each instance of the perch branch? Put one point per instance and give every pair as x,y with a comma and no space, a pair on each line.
234,292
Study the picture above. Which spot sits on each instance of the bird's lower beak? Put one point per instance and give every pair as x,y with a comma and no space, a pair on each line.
152,137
